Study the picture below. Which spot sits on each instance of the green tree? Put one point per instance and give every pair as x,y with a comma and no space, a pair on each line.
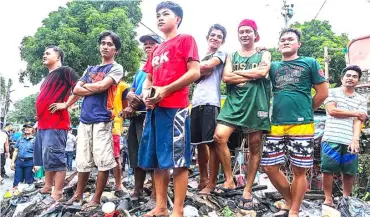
75,117
315,36
319,34
75,28
24,109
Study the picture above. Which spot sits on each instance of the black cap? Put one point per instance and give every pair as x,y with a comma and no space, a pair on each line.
28,124
150,36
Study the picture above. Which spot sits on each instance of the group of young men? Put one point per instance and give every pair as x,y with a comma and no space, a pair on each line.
160,134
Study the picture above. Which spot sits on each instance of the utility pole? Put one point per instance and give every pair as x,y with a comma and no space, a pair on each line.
287,13
7,103
326,59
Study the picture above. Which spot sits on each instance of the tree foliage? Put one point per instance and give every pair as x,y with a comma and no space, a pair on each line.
75,117
24,109
76,28
319,34
315,36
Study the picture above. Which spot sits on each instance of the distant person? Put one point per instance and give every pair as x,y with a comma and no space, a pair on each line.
4,153
22,160
70,147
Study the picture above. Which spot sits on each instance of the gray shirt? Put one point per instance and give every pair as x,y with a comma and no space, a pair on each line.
208,90
340,130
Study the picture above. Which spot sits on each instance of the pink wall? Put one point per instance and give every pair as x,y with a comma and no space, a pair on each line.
359,52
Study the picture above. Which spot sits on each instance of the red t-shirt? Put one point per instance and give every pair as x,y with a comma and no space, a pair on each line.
168,62
56,88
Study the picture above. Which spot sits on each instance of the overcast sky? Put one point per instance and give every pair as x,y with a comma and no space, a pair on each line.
21,18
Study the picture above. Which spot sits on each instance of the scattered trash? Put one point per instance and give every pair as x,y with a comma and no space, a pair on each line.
25,200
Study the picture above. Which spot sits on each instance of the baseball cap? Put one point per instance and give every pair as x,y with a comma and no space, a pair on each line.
28,124
251,23
150,36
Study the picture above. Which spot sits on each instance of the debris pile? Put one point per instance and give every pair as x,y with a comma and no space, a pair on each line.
27,201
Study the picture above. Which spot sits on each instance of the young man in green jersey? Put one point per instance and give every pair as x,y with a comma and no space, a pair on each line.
246,107
292,127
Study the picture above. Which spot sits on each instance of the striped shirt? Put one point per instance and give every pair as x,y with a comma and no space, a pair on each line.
340,130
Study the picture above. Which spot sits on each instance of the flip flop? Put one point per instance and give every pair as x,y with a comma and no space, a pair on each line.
225,192
285,214
120,193
89,207
329,205
137,196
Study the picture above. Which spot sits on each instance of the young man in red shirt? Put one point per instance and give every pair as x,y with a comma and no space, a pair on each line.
165,143
53,121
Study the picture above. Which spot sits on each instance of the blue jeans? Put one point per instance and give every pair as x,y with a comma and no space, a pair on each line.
69,156
23,171
49,150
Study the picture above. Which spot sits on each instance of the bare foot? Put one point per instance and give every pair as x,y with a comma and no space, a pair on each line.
328,203
202,184
229,185
45,190
207,190
74,199
92,205
57,197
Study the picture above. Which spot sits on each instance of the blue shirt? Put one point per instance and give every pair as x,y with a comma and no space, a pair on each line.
25,147
138,82
98,107
139,79
16,136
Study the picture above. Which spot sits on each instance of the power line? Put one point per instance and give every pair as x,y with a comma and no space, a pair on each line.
150,30
319,10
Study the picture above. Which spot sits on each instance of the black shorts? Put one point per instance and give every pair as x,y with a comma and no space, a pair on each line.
203,124
135,132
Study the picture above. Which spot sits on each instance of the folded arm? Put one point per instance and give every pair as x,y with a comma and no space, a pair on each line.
260,71
206,67
229,77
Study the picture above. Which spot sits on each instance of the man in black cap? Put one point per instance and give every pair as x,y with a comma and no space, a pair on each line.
22,160
136,106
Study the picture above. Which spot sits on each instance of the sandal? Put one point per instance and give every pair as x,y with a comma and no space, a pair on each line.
284,214
120,193
89,207
225,192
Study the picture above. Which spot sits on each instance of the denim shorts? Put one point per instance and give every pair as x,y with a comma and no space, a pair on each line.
165,142
49,150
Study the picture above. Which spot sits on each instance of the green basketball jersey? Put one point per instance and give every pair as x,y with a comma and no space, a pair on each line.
247,104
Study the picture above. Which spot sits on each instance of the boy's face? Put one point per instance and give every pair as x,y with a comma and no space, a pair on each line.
167,20
246,35
107,47
50,57
215,39
350,79
289,44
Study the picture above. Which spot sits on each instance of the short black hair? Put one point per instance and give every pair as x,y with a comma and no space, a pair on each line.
57,50
218,27
354,68
115,38
174,7
295,31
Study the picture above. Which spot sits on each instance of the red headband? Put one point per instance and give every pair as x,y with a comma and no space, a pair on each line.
252,24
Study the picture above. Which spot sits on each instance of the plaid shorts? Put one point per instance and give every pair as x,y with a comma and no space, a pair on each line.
294,140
